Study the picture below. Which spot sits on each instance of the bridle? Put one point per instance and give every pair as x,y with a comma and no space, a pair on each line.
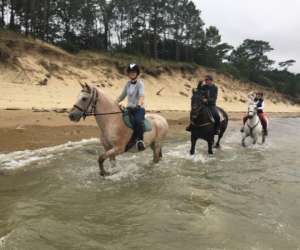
92,106
197,110
252,128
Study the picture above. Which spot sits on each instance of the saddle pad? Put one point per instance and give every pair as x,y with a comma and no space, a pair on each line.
127,121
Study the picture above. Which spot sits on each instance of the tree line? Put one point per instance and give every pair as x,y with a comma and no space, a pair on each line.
160,29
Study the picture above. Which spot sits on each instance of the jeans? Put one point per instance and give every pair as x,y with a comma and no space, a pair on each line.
137,117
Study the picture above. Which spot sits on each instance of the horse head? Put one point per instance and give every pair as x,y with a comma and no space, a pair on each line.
252,110
84,104
197,105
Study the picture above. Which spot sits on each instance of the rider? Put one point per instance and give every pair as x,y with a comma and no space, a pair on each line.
134,90
210,93
260,104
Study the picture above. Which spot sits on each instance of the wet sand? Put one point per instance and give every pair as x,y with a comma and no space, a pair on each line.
25,129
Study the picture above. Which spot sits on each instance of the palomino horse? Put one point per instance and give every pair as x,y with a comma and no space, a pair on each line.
253,127
202,125
115,135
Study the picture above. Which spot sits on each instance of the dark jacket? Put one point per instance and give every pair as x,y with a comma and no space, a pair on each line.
260,104
210,92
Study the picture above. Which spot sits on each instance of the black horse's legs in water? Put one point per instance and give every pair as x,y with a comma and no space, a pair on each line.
220,136
210,146
193,144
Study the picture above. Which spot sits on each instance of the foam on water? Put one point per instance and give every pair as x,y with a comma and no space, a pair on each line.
182,152
20,159
3,240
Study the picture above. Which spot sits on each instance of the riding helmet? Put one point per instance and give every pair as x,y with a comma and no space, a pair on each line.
209,77
133,68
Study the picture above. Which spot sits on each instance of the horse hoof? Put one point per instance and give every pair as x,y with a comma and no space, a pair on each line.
104,173
217,146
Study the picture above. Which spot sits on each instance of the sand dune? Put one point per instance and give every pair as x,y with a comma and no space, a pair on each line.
43,76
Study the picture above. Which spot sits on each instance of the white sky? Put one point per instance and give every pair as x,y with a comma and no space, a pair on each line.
275,21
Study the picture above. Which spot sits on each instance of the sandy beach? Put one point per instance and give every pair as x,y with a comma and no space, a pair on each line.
41,84
25,129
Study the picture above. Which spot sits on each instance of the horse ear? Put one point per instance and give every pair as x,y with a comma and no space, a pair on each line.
82,86
88,87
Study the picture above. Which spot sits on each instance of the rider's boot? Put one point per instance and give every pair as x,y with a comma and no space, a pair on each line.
140,145
265,131
189,128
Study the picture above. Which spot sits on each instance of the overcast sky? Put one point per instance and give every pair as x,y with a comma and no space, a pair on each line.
275,21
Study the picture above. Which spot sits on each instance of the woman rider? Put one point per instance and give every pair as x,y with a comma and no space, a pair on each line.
134,91
260,104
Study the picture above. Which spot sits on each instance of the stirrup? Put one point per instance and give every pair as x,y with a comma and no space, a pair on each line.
140,145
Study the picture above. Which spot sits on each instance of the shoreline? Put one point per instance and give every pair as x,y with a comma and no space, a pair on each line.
27,130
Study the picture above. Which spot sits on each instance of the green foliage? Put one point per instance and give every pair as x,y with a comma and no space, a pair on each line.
170,30
286,64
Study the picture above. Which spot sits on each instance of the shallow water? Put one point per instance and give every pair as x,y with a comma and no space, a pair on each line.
240,199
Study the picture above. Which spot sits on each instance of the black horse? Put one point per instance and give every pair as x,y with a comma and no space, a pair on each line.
202,124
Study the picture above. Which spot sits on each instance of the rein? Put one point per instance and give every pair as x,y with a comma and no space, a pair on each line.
93,102
201,125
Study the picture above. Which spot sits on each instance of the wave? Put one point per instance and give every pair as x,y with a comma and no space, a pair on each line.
20,159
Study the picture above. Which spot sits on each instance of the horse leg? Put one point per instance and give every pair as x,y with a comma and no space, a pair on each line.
243,141
193,144
219,139
263,139
254,140
112,160
157,152
112,153
210,146
255,137
108,147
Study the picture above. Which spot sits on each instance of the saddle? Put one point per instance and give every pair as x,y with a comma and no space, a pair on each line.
128,122
212,119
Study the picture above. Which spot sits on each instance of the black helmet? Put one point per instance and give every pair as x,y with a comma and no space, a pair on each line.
133,68
209,77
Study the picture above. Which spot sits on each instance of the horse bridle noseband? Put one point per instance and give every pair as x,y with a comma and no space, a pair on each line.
93,102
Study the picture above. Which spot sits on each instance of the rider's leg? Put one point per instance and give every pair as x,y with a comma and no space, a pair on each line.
139,117
263,121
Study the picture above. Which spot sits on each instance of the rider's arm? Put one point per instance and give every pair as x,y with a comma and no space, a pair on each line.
123,95
213,95
141,101
141,94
